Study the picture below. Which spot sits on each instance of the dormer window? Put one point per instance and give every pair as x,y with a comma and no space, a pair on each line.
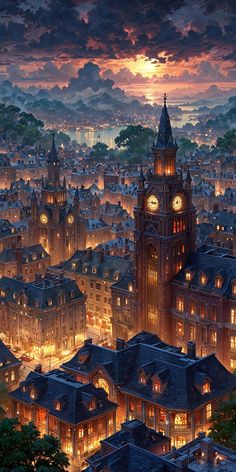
156,386
130,287
73,265
49,301
94,269
203,279
3,293
57,405
218,281
32,394
84,269
91,405
234,287
206,388
142,378
188,275
106,274
116,276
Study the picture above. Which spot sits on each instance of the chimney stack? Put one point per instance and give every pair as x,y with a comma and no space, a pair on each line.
120,344
191,349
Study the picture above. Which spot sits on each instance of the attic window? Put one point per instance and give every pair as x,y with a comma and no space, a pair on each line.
206,388
142,378
57,405
43,255
73,265
203,279
130,287
116,276
234,287
94,269
91,405
3,293
106,274
32,394
218,281
49,301
188,275
85,269
156,386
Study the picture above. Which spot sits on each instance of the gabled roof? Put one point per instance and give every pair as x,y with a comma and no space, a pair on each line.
7,358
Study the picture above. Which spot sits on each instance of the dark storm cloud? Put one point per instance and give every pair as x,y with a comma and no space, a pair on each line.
53,29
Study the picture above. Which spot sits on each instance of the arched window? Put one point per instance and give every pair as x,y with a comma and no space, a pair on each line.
102,383
181,419
180,441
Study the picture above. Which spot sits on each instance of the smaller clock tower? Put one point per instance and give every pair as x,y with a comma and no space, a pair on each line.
164,232
54,223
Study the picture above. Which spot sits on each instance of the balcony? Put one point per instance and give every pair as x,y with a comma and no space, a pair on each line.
180,427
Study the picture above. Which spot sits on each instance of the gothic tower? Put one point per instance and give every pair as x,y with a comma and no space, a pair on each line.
164,232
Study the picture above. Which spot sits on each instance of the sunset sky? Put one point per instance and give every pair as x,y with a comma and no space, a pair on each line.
172,42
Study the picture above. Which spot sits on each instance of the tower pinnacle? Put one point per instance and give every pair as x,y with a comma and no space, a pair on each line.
164,138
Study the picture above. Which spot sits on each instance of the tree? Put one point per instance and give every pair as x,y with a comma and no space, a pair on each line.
3,399
136,139
22,449
227,143
186,146
100,150
223,429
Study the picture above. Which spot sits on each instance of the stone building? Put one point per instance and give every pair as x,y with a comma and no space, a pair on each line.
45,317
95,273
172,392
80,415
9,367
24,261
7,172
54,223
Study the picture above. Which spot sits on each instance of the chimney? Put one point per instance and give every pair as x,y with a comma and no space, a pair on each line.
207,450
120,344
89,254
38,368
101,255
88,341
191,349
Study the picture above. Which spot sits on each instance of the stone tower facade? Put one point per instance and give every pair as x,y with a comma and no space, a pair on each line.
164,232
54,223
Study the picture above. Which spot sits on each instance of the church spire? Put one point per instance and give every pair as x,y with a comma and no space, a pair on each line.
52,156
164,138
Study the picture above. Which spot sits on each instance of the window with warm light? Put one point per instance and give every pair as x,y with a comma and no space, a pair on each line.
57,405
81,433
130,287
156,386
180,328
192,307
203,310
162,416
214,337
181,419
91,405
192,332
233,315
203,279
180,303
232,342
188,276
234,287
218,282
118,301
233,364
180,441
206,387
208,411
90,428
142,378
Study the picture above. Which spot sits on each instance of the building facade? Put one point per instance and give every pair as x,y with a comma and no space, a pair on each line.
54,223
43,318
24,261
79,415
172,392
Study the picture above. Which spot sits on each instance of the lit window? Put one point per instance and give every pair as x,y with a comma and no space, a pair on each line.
13,376
180,441
203,310
233,316
94,269
232,342
234,287
81,433
192,332
208,411
156,386
73,265
203,279
180,328
142,378
49,302
180,303
162,416
206,388
213,337
192,307
116,276
130,287
218,282
90,428
188,275
57,405
118,301
91,405
181,419
84,269
233,364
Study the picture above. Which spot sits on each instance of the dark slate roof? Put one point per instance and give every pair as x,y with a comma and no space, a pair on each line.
6,228
131,458
26,254
176,371
211,261
42,293
124,283
7,358
112,209
74,397
95,263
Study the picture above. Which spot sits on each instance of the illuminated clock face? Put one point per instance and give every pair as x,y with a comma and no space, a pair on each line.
177,203
70,219
44,218
152,203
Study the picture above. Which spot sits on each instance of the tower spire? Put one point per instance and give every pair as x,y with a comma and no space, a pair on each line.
164,138
52,156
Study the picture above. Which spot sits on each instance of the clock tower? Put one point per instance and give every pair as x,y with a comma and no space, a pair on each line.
55,223
164,232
